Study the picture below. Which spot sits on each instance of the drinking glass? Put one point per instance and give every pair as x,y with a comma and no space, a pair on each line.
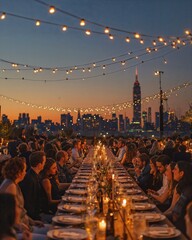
139,226
91,225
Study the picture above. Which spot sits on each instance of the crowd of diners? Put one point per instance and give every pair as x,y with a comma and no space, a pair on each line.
36,172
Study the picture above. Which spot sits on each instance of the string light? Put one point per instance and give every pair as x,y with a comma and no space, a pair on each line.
104,108
160,39
154,43
137,35
127,39
111,36
3,16
88,32
52,10
37,23
106,30
187,32
112,72
82,22
64,28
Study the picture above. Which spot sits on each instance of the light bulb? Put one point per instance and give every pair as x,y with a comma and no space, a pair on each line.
37,23
3,16
82,22
137,35
64,28
88,32
106,30
160,39
127,39
52,9
154,43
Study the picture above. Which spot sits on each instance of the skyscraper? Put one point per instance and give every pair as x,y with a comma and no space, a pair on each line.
136,102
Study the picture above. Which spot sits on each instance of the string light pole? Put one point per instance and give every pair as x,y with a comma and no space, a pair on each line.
159,73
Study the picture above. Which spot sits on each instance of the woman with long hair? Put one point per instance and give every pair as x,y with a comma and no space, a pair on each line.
183,175
131,152
164,200
51,196
157,179
14,172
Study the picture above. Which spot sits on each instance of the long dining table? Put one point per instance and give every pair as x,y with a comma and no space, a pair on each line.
70,219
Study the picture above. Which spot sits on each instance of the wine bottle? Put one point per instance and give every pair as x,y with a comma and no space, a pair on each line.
110,221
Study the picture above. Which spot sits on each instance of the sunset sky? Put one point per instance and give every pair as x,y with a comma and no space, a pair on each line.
47,46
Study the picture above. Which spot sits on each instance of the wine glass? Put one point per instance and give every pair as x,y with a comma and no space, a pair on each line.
139,225
91,225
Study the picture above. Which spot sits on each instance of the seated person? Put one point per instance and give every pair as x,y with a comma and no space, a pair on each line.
157,178
182,174
188,220
142,171
64,175
51,195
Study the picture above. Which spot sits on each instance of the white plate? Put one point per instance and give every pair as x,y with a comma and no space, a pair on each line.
142,206
68,219
151,217
72,208
133,191
78,185
80,180
74,198
139,198
162,232
67,233
76,191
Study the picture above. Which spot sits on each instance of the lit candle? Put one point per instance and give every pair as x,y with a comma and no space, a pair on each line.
113,177
102,225
124,203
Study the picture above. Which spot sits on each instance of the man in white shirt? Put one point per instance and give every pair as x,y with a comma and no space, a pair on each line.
121,150
75,152
162,162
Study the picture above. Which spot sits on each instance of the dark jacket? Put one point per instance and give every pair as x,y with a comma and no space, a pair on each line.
145,178
31,190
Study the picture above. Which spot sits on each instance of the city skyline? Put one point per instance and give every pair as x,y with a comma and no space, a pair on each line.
45,46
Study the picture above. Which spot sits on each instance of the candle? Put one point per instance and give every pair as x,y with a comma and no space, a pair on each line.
102,225
124,203
113,177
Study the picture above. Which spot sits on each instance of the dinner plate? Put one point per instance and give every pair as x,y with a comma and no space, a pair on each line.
80,180
74,198
151,217
76,191
67,233
143,206
83,174
125,180
128,181
68,219
128,185
139,198
82,177
78,185
162,232
72,208
133,191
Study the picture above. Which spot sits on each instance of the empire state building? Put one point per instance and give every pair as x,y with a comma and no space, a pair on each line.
136,102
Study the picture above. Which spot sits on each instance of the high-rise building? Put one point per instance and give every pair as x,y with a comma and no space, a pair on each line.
136,102
149,115
78,124
157,120
121,123
67,120
24,118
144,117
